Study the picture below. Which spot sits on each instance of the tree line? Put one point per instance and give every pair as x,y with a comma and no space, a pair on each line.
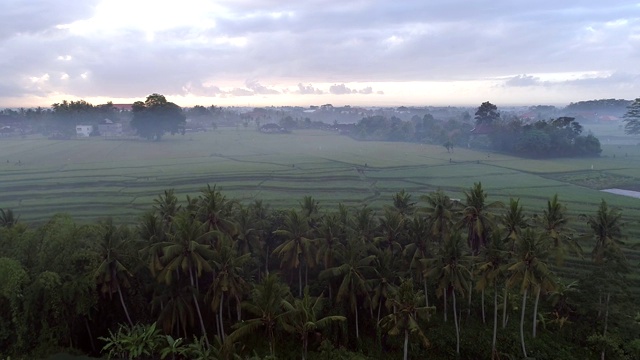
211,278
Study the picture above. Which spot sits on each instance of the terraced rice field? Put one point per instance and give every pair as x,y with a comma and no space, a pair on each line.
92,178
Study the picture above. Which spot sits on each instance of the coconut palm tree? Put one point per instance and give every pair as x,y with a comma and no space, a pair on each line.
491,270
7,218
606,227
297,248
229,279
363,224
451,269
530,272
329,243
513,222
215,210
167,207
112,272
352,274
303,316
387,270
392,229
477,217
266,304
408,311
440,214
419,249
402,203
554,224
186,252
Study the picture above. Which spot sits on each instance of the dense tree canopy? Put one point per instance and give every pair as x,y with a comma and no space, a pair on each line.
487,114
156,116
632,118
222,282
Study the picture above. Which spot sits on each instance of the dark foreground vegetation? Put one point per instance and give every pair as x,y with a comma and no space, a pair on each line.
209,278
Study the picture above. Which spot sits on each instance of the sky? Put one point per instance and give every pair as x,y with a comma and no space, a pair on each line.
314,52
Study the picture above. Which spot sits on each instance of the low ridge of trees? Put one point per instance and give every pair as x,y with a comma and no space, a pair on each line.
211,278
561,137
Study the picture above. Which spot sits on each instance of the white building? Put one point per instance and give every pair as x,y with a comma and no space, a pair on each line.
83,130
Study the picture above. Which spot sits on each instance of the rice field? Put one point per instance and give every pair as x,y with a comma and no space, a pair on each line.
95,178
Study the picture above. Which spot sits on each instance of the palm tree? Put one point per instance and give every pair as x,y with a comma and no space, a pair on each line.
491,271
8,219
151,232
215,210
418,249
554,222
477,218
229,279
352,274
382,283
309,207
186,252
439,213
513,222
112,272
530,272
404,320
450,268
176,308
266,304
363,225
297,248
392,227
479,221
302,316
402,203
606,227
167,207
329,243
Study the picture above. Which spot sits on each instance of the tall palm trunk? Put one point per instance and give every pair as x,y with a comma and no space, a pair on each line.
222,336
504,307
455,320
524,304
606,321
126,312
300,279
495,323
445,305
195,301
535,312
357,328
426,293
406,344
482,304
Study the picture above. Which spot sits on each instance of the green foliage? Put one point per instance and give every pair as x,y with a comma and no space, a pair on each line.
632,118
559,137
486,114
156,116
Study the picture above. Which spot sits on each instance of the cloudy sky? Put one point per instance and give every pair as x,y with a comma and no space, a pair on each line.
304,52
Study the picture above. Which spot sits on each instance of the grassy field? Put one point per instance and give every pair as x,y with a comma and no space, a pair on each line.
93,178
89,178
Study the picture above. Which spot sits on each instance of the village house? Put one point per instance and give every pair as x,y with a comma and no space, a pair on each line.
109,128
83,130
